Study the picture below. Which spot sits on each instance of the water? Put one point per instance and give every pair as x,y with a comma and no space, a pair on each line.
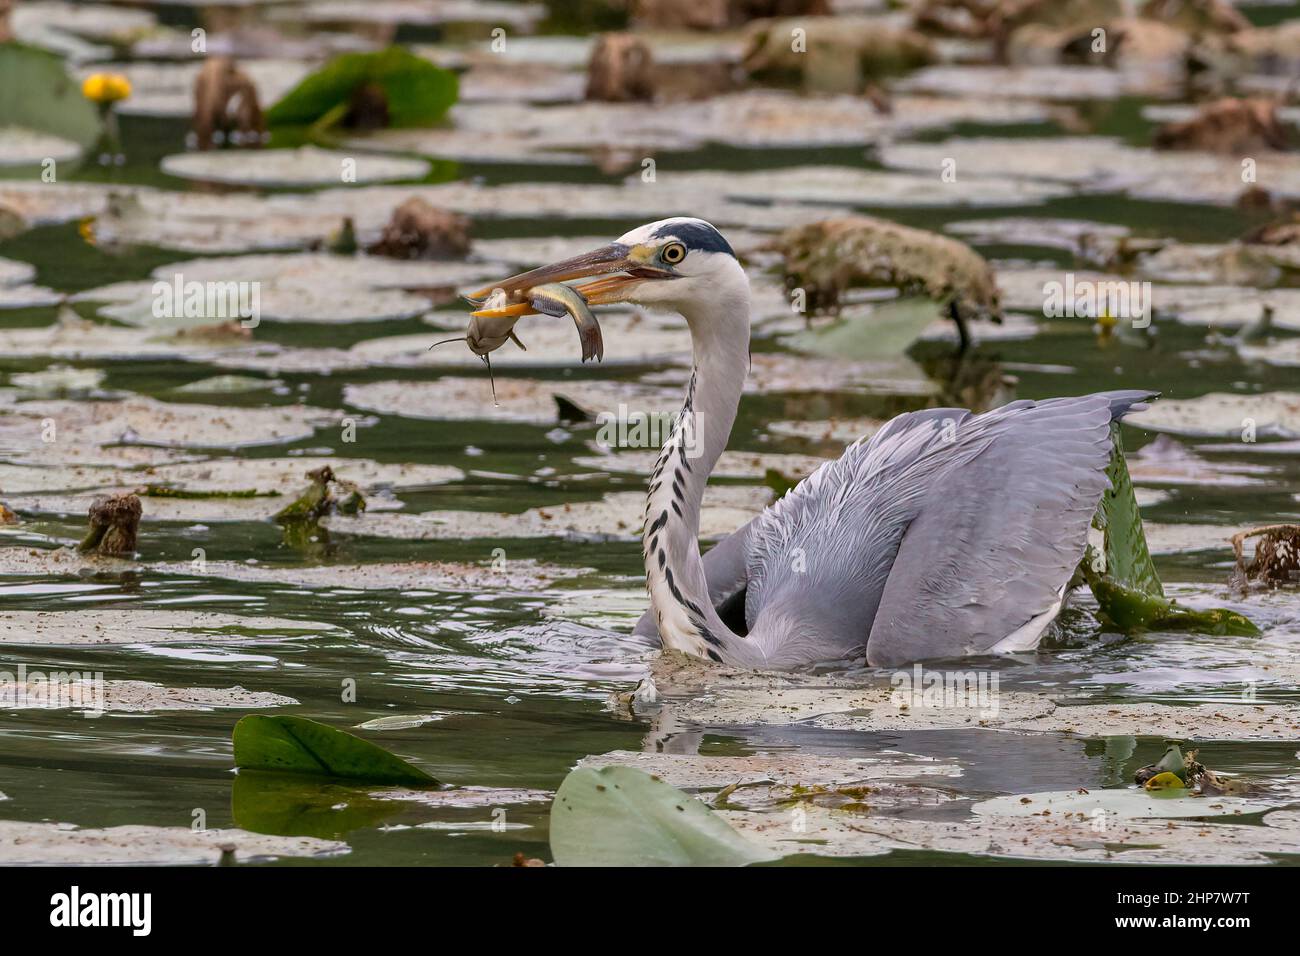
519,683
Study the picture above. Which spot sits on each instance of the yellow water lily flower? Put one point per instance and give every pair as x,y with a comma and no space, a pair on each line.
1166,781
106,87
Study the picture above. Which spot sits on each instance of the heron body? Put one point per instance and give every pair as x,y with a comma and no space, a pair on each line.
944,534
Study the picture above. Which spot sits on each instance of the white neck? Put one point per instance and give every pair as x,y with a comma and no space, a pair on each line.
679,592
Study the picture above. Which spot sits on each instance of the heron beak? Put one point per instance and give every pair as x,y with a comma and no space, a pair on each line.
615,268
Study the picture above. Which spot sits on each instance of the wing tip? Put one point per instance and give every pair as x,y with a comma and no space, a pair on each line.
1128,400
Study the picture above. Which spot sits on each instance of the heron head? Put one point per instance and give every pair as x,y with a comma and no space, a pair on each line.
666,263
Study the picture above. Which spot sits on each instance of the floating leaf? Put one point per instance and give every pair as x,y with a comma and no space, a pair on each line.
22,147
131,625
1243,417
1129,610
303,166
888,328
285,804
1171,762
618,816
1116,804
137,697
1129,594
1165,781
299,745
409,90
1128,562
64,844
38,94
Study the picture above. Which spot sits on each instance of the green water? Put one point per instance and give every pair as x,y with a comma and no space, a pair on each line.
520,682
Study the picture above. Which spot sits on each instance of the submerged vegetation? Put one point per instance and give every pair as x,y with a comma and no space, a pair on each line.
229,236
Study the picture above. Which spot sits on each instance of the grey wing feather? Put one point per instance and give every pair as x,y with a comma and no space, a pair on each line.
996,540
819,558
939,536
727,564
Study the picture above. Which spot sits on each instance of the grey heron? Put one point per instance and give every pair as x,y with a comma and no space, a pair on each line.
946,533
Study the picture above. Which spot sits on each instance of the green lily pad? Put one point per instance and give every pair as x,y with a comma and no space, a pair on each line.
299,745
1129,593
1131,610
39,95
1128,562
227,385
618,816
287,804
887,329
416,92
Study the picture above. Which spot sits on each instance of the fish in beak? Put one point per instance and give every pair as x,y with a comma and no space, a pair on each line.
615,270
490,328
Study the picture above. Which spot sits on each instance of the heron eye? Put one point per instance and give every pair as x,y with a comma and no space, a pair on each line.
673,253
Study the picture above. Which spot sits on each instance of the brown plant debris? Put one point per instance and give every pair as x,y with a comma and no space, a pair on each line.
226,106
833,54
1259,199
419,230
1192,774
976,19
1197,17
621,69
218,332
829,257
1283,232
1228,126
114,525
1277,556
11,224
1034,31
